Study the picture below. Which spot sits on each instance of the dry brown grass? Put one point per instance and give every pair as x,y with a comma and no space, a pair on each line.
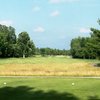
52,69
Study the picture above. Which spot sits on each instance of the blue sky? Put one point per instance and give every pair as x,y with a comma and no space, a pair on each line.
51,23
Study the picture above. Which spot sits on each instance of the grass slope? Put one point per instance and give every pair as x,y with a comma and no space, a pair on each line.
49,89
50,66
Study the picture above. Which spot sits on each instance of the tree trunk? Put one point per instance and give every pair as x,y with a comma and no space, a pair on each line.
23,55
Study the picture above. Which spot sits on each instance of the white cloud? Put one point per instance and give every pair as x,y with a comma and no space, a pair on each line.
6,22
36,8
61,1
39,29
55,13
84,30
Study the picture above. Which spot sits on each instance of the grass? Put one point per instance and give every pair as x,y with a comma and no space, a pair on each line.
48,66
49,89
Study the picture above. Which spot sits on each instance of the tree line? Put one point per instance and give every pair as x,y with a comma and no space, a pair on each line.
87,47
51,52
22,46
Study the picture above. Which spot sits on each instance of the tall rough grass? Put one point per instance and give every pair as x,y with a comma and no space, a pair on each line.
50,66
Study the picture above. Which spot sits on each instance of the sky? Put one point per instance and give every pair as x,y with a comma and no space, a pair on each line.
51,23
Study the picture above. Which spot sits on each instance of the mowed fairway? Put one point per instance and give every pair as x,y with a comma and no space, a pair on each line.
49,89
48,66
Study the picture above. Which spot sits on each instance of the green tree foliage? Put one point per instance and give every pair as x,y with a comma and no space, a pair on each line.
95,41
51,52
87,47
11,46
81,49
27,47
23,40
7,41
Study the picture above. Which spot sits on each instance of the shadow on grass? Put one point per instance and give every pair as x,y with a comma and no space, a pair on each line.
27,93
93,98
